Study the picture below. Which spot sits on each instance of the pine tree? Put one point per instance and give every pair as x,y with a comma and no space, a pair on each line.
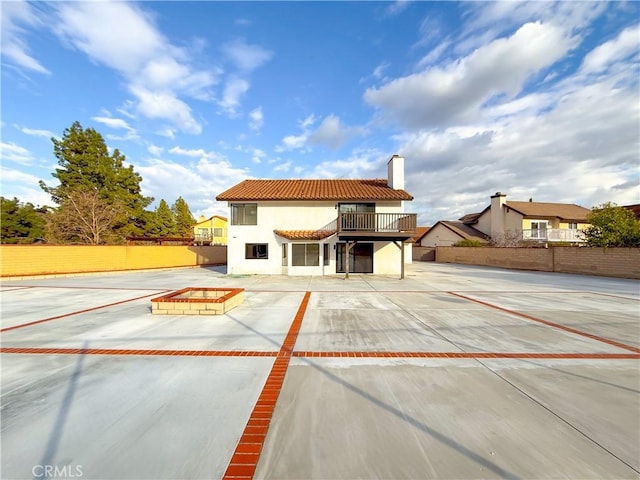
184,218
86,166
20,222
165,223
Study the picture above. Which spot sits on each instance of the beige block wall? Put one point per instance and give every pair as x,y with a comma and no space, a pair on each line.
517,258
612,262
27,260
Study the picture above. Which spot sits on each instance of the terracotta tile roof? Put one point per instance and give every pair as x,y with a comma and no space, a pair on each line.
304,234
565,211
465,231
255,190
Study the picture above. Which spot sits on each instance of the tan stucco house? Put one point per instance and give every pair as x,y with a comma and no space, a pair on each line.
510,222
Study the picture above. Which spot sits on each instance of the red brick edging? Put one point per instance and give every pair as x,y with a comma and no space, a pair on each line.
245,458
551,324
22,325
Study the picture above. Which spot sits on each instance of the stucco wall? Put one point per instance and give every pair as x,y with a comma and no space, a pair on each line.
613,262
439,235
27,260
282,215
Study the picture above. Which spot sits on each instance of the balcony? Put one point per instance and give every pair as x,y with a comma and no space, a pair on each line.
376,226
553,235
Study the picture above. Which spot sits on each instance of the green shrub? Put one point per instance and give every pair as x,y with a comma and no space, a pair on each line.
468,242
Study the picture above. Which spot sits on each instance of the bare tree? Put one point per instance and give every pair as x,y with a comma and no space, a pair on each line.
85,217
509,238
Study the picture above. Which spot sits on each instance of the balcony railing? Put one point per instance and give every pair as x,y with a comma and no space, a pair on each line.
553,235
377,224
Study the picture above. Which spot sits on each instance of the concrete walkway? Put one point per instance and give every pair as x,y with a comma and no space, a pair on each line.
454,372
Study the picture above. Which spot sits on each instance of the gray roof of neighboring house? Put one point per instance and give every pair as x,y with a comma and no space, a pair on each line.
565,211
470,218
464,231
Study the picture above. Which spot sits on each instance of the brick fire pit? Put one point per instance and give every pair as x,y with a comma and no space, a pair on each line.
198,301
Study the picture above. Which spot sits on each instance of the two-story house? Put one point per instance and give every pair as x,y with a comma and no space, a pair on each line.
505,222
210,231
320,227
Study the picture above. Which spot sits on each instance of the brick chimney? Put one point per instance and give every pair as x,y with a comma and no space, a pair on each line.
395,172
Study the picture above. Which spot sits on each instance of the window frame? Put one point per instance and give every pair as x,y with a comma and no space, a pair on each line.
239,215
257,255
326,254
316,259
538,230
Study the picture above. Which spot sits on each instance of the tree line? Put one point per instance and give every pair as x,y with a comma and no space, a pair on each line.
98,200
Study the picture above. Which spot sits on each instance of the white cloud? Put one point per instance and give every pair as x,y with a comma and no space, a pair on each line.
196,153
283,167
362,163
625,45
15,153
36,133
294,142
307,122
291,142
257,155
234,89
23,186
125,38
455,92
487,21
576,144
166,106
155,150
396,7
13,36
332,133
198,183
244,56
117,124
256,119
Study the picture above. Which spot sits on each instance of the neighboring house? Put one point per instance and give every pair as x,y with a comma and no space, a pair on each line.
446,233
420,233
508,223
210,231
320,227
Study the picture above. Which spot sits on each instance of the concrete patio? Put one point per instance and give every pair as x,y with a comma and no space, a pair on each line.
454,372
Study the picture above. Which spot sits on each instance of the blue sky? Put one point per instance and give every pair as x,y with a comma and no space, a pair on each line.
535,99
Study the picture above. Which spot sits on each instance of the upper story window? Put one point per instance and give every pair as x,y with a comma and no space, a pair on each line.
572,225
244,214
357,208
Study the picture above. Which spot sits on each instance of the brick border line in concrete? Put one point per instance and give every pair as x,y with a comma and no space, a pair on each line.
76,287
474,355
312,354
245,458
36,322
550,324
139,352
